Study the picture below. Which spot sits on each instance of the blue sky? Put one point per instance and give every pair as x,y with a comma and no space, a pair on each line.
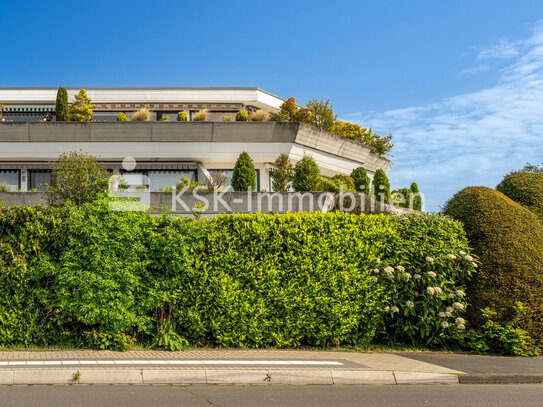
458,84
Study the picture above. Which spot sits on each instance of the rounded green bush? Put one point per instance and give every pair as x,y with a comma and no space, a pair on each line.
526,189
182,116
242,116
508,239
121,117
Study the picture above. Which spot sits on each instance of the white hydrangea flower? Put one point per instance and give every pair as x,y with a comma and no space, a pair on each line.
417,276
400,268
395,309
378,261
448,314
462,253
474,264
458,305
451,256
468,258
460,293
431,274
374,279
445,324
438,290
461,326
386,309
410,304
429,259
376,271
451,295
388,270
460,321
430,290
407,276
450,309
442,314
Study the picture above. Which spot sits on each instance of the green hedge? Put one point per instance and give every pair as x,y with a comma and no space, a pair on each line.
524,188
508,238
90,276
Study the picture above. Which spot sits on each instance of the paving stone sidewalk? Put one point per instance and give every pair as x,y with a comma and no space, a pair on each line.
261,366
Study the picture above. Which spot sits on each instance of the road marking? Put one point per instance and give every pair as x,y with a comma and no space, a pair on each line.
168,362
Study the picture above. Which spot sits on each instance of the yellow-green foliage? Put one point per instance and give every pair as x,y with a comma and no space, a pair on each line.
165,119
242,116
526,189
182,116
226,118
508,239
121,117
81,108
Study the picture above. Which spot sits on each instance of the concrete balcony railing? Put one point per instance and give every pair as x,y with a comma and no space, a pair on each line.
190,132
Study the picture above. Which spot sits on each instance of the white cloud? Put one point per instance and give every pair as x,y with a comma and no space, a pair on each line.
474,70
469,139
504,49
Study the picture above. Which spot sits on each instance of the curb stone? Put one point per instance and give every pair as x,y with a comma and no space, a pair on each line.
501,379
211,376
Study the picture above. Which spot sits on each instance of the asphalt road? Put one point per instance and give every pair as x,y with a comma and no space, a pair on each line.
263,396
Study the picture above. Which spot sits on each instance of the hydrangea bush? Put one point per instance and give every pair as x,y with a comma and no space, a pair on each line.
427,298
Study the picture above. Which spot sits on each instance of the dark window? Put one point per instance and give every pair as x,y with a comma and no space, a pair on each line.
10,178
37,180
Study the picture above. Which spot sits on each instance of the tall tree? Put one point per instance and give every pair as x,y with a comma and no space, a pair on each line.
61,108
322,114
81,109
76,177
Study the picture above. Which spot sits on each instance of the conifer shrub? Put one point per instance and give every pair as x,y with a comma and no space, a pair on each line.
508,239
524,188
182,116
121,117
361,180
282,173
306,175
381,186
242,116
244,176
61,109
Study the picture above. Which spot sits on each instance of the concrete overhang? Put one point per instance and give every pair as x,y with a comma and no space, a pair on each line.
195,141
136,95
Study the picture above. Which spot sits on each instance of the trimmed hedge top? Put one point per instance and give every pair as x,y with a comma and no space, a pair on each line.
524,188
508,238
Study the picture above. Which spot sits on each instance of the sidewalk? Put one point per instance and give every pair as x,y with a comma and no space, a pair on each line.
262,367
